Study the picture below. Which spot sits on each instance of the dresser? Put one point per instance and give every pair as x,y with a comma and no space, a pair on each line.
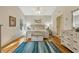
70,39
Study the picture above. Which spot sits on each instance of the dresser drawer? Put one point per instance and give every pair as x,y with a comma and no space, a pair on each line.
69,40
67,44
76,38
75,49
76,35
75,42
76,46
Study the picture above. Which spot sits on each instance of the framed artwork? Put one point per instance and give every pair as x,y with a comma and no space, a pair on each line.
38,21
12,21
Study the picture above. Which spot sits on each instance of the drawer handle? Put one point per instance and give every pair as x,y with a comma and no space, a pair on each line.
75,48
75,41
68,44
71,34
68,38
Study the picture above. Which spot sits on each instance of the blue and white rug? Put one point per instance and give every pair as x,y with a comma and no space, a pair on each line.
37,47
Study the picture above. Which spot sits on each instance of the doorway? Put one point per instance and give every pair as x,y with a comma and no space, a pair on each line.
59,25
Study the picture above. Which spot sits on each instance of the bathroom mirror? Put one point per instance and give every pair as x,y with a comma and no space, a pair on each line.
76,20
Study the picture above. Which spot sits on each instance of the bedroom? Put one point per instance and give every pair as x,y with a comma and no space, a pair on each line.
40,28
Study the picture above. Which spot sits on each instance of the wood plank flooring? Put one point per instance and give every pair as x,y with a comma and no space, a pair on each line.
54,39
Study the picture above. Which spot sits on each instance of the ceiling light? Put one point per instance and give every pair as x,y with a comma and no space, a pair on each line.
37,10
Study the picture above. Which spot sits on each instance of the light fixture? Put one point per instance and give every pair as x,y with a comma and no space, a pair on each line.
37,10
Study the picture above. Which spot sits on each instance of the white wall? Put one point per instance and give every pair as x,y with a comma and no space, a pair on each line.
9,33
66,12
44,19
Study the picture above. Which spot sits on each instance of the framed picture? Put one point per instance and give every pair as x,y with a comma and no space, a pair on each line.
12,21
38,21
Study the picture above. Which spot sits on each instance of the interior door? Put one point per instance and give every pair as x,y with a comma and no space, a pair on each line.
59,25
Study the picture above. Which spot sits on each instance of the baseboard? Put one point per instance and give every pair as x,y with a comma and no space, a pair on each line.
17,39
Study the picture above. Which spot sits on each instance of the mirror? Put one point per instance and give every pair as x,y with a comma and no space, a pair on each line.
76,20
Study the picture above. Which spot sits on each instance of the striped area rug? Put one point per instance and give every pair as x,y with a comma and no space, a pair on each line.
37,47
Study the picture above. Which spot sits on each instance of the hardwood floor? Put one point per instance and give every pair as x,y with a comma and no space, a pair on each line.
12,46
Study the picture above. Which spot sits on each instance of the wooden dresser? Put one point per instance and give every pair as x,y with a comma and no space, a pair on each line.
70,39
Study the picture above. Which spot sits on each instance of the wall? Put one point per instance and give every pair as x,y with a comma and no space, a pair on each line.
66,12
9,33
44,19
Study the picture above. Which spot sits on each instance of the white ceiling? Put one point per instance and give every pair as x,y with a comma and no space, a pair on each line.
31,10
